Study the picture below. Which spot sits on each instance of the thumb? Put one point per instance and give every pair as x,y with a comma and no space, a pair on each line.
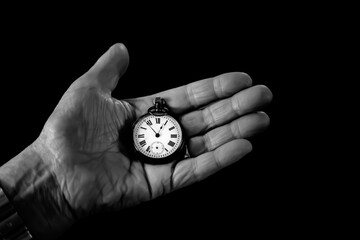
110,67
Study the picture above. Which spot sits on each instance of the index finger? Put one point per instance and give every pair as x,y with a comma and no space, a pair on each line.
200,93
203,92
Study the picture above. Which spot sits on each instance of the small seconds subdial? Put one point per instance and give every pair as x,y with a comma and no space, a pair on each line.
157,148
157,136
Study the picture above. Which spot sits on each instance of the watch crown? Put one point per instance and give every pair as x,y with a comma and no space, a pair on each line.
159,103
159,106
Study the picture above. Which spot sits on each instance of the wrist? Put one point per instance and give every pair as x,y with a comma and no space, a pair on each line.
34,191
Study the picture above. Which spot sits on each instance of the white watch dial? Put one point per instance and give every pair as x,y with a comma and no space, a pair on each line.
157,136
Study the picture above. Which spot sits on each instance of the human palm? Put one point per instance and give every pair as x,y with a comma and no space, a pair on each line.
87,139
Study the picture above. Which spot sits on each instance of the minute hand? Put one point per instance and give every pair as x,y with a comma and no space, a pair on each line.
153,130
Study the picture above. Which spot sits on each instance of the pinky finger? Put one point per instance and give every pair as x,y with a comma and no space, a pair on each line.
195,169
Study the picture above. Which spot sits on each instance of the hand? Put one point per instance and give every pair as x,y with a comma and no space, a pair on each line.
153,130
85,140
160,128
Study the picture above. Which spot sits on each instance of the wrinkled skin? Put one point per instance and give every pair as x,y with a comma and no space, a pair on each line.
85,141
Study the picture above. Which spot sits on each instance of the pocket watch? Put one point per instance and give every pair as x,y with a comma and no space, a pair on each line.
157,136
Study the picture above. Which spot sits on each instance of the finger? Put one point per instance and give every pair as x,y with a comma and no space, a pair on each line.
110,67
197,94
243,127
203,92
195,169
226,110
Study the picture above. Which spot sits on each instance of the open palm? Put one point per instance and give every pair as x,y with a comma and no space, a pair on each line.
87,139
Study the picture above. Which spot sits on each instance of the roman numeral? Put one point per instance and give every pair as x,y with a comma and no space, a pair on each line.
143,128
142,143
173,135
171,143
148,149
166,122
148,122
141,135
171,128
157,120
166,150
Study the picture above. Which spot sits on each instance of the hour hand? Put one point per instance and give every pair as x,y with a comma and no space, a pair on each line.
162,126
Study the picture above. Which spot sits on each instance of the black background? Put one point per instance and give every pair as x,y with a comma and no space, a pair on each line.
265,193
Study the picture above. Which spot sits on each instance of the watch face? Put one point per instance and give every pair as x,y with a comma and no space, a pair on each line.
157,136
